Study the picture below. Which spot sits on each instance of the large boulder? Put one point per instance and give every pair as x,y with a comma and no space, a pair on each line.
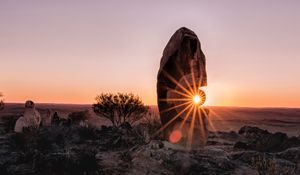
182,72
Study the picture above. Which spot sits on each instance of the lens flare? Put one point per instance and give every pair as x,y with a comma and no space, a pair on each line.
175,136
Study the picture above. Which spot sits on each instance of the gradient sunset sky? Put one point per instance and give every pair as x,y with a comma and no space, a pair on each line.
70,51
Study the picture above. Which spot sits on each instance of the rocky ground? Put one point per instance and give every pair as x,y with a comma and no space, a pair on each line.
126,150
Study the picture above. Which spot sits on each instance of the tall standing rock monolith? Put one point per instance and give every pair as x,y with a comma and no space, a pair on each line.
182,68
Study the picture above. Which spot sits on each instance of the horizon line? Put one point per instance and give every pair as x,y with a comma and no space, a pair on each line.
230,106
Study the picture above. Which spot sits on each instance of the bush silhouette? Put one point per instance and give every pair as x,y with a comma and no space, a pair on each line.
1,102
120,108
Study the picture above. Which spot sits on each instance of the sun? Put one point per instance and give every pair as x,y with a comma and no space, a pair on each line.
197,99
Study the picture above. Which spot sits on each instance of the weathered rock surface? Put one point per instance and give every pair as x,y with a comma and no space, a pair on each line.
183,62
262,140
291,154
166,159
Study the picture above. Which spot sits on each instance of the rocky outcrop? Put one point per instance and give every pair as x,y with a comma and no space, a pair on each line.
264,141
110,150
165,158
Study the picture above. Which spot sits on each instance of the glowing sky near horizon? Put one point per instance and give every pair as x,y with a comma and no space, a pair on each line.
70,51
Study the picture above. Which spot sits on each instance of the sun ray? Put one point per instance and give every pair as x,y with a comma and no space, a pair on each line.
174,99
210,123
173,119
186,117
178,92
217,116
190,98
201,124
220,118
191,130
176,106
177,83
184,79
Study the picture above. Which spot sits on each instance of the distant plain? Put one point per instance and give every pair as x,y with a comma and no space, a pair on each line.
285,120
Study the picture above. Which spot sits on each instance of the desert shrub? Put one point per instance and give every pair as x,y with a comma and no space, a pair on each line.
120,108
1,102
77,117
77,160
87,133
60,121
149,125
9,122
1,105
41,139
54,150
151,118
269,165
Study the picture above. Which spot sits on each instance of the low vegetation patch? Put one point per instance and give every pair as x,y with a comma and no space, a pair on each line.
120,108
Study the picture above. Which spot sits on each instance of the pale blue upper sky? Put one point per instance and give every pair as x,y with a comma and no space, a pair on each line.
70,51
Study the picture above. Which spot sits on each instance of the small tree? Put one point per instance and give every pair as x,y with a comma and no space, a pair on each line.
120,108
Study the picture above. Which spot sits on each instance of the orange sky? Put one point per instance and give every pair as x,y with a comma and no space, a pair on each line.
70,51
